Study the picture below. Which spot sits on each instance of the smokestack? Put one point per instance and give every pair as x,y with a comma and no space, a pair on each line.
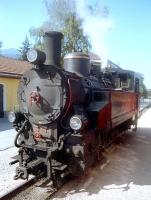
52,43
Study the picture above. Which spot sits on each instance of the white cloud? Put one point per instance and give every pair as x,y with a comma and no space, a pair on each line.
96,24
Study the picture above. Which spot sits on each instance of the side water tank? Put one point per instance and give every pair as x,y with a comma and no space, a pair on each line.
78,63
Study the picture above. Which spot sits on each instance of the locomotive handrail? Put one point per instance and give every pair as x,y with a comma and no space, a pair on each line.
19,132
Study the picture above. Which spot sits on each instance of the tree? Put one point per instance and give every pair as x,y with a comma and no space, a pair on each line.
37,34
24,49
74,38
143,89
63,18
58,12
1,44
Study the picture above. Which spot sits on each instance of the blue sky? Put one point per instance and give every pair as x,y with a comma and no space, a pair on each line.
128,42
17,17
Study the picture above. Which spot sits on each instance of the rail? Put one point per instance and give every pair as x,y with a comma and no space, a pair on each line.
10,194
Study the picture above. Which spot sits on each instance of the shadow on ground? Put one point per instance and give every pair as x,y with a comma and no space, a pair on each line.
129,162
5,124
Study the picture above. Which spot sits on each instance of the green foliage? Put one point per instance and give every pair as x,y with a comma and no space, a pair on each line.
74,38
37,34
24,49
1,44
143,89
149,93
63,18
58,12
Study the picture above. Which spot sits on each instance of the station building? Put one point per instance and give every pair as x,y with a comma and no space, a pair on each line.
11,71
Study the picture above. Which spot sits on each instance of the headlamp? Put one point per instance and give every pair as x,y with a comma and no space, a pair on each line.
36,57
11,117
75,123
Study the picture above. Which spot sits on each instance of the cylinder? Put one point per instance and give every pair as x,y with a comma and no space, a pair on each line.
78,63
52,44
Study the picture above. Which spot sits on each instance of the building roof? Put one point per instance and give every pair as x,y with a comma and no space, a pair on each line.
10,67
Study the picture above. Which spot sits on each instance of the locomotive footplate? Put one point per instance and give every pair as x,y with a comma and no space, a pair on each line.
44,164
23,171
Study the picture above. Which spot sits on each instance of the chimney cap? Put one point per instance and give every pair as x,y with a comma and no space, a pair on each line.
53,33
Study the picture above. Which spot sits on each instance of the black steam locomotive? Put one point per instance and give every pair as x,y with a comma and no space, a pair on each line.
69,114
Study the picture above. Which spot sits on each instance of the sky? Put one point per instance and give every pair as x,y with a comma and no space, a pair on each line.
127,41
17,17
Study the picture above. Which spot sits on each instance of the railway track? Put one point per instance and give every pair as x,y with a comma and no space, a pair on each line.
34,190
30,190
12,193
40,190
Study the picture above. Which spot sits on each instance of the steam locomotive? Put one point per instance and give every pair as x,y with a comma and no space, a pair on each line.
69,114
